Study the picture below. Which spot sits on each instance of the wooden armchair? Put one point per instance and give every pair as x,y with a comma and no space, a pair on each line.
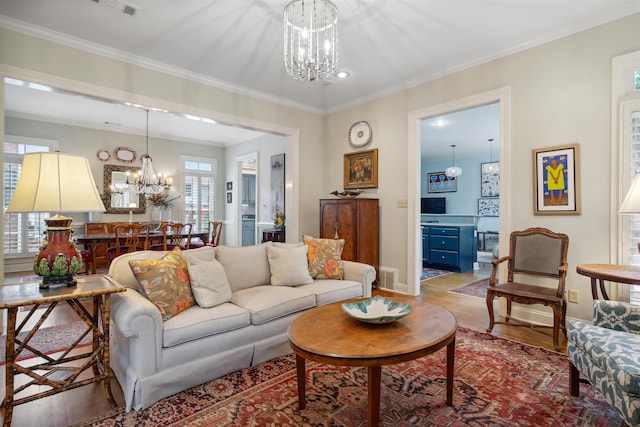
536,253
174,234
129,238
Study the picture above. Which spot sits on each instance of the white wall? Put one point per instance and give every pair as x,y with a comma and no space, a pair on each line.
560,94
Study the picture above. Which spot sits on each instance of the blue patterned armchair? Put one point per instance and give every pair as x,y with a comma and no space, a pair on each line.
607,354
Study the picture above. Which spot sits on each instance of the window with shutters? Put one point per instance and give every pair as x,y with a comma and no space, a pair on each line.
199,177
22,232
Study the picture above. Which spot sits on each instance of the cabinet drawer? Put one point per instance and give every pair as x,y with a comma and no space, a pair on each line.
443,231
444,242
443,257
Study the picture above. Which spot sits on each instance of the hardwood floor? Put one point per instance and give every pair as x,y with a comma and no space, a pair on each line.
86,402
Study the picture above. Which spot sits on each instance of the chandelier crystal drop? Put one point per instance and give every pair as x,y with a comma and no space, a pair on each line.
311,39
453,170
146,182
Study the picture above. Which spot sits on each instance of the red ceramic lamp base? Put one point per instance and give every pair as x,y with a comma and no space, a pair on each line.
58,259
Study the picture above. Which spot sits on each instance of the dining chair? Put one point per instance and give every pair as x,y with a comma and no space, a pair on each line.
129,238
538,259
215,231
174,234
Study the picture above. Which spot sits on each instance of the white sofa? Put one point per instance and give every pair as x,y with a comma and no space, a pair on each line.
153,359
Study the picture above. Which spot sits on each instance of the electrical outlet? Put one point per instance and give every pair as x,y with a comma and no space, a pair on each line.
572,295
402,203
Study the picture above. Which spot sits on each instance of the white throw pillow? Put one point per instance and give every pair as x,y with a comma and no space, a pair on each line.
289,266
209,282
246,266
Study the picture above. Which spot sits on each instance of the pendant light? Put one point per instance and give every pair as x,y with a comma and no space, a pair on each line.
492,167
453,170
146,182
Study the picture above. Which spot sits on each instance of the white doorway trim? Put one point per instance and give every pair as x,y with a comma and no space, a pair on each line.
414,236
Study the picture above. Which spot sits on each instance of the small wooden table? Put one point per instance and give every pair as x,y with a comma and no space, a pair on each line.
328,335
58,374
628,274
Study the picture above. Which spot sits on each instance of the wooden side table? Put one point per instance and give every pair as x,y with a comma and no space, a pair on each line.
599,273
58,374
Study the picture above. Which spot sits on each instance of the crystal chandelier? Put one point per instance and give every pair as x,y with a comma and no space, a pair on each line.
146,182
453,170
311,39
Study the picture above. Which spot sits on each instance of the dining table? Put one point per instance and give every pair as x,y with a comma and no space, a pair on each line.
92,241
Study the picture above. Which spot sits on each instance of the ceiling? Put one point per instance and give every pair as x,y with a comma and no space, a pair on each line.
385,45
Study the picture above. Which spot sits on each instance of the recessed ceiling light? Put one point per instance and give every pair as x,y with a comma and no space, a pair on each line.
342,74
440,123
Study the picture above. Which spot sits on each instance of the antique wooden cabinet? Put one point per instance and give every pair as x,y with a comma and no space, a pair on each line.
355,221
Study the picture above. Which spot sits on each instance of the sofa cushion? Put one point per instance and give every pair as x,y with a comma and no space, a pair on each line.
615,352
332,290
266,303
288,266
197,322
209,282
165,282
245,266
325,257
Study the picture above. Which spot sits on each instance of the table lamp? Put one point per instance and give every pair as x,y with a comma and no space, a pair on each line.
55,182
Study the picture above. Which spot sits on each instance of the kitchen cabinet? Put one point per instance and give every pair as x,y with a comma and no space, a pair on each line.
449,247
357,222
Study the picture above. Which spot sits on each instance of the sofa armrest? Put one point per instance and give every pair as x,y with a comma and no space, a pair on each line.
616,315
138,322
359,272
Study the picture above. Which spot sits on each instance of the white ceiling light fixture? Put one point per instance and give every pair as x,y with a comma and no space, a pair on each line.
311,39
146,182
453,170
492,167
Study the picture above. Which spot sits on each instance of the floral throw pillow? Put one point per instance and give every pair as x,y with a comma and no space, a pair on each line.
165,282
324,256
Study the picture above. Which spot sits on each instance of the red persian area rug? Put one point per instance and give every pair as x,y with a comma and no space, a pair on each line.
497,383
49,340
475,289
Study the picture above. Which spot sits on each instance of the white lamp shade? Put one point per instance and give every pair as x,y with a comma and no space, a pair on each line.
55,182
453,171
631,203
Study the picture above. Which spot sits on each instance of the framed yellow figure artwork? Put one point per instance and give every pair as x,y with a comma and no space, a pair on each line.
361,169
556,184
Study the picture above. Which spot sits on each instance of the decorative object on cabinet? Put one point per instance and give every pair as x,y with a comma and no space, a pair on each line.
556,184
277,185
121,195
490,179
56,182
357,222
439,182
125,154
273,235
103,155
361,169
360,134
229,197
489,207
347,194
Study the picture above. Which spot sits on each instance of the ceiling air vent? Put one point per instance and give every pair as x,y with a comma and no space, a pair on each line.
117,5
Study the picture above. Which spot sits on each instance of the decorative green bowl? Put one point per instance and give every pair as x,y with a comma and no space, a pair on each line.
376,310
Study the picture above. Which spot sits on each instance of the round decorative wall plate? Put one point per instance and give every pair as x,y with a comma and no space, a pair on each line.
103,155
360,134
125,154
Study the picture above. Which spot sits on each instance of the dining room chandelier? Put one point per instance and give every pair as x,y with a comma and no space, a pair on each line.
311,39
146,182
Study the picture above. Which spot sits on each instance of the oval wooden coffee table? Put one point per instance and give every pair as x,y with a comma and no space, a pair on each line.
328,335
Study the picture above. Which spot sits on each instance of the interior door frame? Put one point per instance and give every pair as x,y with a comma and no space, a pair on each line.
414,236
238,214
